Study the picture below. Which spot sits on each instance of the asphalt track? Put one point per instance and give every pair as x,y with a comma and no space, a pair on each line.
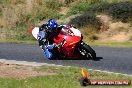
117,60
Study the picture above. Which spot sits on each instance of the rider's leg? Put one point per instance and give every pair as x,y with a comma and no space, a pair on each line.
50,46
48,52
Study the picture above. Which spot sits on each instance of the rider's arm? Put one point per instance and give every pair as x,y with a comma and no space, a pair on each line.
41,37
42,34
43,27
43,31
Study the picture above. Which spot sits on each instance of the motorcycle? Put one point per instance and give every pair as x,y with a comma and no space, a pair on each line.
72,44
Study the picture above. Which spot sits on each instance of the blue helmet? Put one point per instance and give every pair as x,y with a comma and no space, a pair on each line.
52,24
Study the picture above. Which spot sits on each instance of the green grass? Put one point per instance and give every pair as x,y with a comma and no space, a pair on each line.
18,41
79,8
112,44
66,77
92,43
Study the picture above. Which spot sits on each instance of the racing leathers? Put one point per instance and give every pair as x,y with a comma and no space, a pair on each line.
45,39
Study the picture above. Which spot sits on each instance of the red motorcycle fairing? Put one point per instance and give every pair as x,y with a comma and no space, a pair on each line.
70,40
69,48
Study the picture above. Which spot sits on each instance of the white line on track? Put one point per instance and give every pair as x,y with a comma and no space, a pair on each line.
25,63
41,64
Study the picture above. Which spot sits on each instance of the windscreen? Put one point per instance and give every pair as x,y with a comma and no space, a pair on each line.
66,31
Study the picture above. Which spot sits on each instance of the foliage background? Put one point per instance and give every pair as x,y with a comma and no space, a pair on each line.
16,16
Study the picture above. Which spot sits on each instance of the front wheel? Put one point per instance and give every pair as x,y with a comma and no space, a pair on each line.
86,51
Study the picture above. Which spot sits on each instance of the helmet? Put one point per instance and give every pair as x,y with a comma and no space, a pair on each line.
52,24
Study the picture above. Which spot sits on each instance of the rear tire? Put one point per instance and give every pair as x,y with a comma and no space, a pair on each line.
87,51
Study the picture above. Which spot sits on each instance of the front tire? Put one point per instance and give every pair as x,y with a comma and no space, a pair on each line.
86,51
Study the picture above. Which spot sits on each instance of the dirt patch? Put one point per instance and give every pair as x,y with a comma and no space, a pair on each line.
29,5
64,10
21,71
114,31
121,36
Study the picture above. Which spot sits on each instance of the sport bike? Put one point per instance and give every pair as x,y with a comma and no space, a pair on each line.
72,44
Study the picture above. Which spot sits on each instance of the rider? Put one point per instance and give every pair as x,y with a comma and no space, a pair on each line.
46,32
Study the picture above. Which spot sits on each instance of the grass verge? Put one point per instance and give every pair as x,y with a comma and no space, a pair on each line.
109,44
66,77
18,41
112,44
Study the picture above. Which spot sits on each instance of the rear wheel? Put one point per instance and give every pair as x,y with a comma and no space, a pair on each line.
86,51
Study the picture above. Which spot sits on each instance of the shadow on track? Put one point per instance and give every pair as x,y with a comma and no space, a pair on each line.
97,59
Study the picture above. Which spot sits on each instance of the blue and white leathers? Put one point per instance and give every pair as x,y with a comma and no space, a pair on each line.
48,54
42,34
47,51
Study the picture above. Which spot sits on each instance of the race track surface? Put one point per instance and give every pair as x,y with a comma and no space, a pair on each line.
109,59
